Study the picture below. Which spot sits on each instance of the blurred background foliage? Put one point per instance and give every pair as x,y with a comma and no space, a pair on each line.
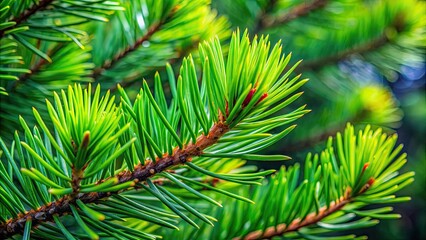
365,60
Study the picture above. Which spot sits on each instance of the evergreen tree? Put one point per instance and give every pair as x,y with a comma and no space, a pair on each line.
101,153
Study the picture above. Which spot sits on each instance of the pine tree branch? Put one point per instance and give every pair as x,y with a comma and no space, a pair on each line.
380,41
151,31
27,14
323,135
310,219
140,174
36,67
315,139
268,8
109,64
366,47
179,55
300,10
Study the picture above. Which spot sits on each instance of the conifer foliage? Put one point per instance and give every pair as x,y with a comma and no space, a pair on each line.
73,169
333,192
171,158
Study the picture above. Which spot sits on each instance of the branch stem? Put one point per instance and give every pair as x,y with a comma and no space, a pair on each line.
120,55
140,174
127,82
363,48
397,25
36,67
300,10
26,14
327,131
109,64
298,223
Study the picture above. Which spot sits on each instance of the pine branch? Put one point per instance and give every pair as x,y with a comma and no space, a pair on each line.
300,10
296,224
128,82
323,135
36,67
363,48
98,71
310,219
339,189
140,174
54,23
372,104
368,46
109,64
92,132
27,14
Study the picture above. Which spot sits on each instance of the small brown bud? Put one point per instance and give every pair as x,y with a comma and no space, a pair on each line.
86,139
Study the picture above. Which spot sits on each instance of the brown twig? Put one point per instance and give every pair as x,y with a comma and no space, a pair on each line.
36,67
26,14
179,55
139,174
300,10
314,139
397,25
151,31
310,219
319,63
110,63
264,14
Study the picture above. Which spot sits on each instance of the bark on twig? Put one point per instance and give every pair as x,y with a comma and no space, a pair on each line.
139,174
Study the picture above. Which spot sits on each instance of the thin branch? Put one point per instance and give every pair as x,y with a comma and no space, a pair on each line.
27,14
151,30
314,139
300,10
110,63
36,67
310,219
140,174
107,64
267,9
398,25
127,82
363,48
